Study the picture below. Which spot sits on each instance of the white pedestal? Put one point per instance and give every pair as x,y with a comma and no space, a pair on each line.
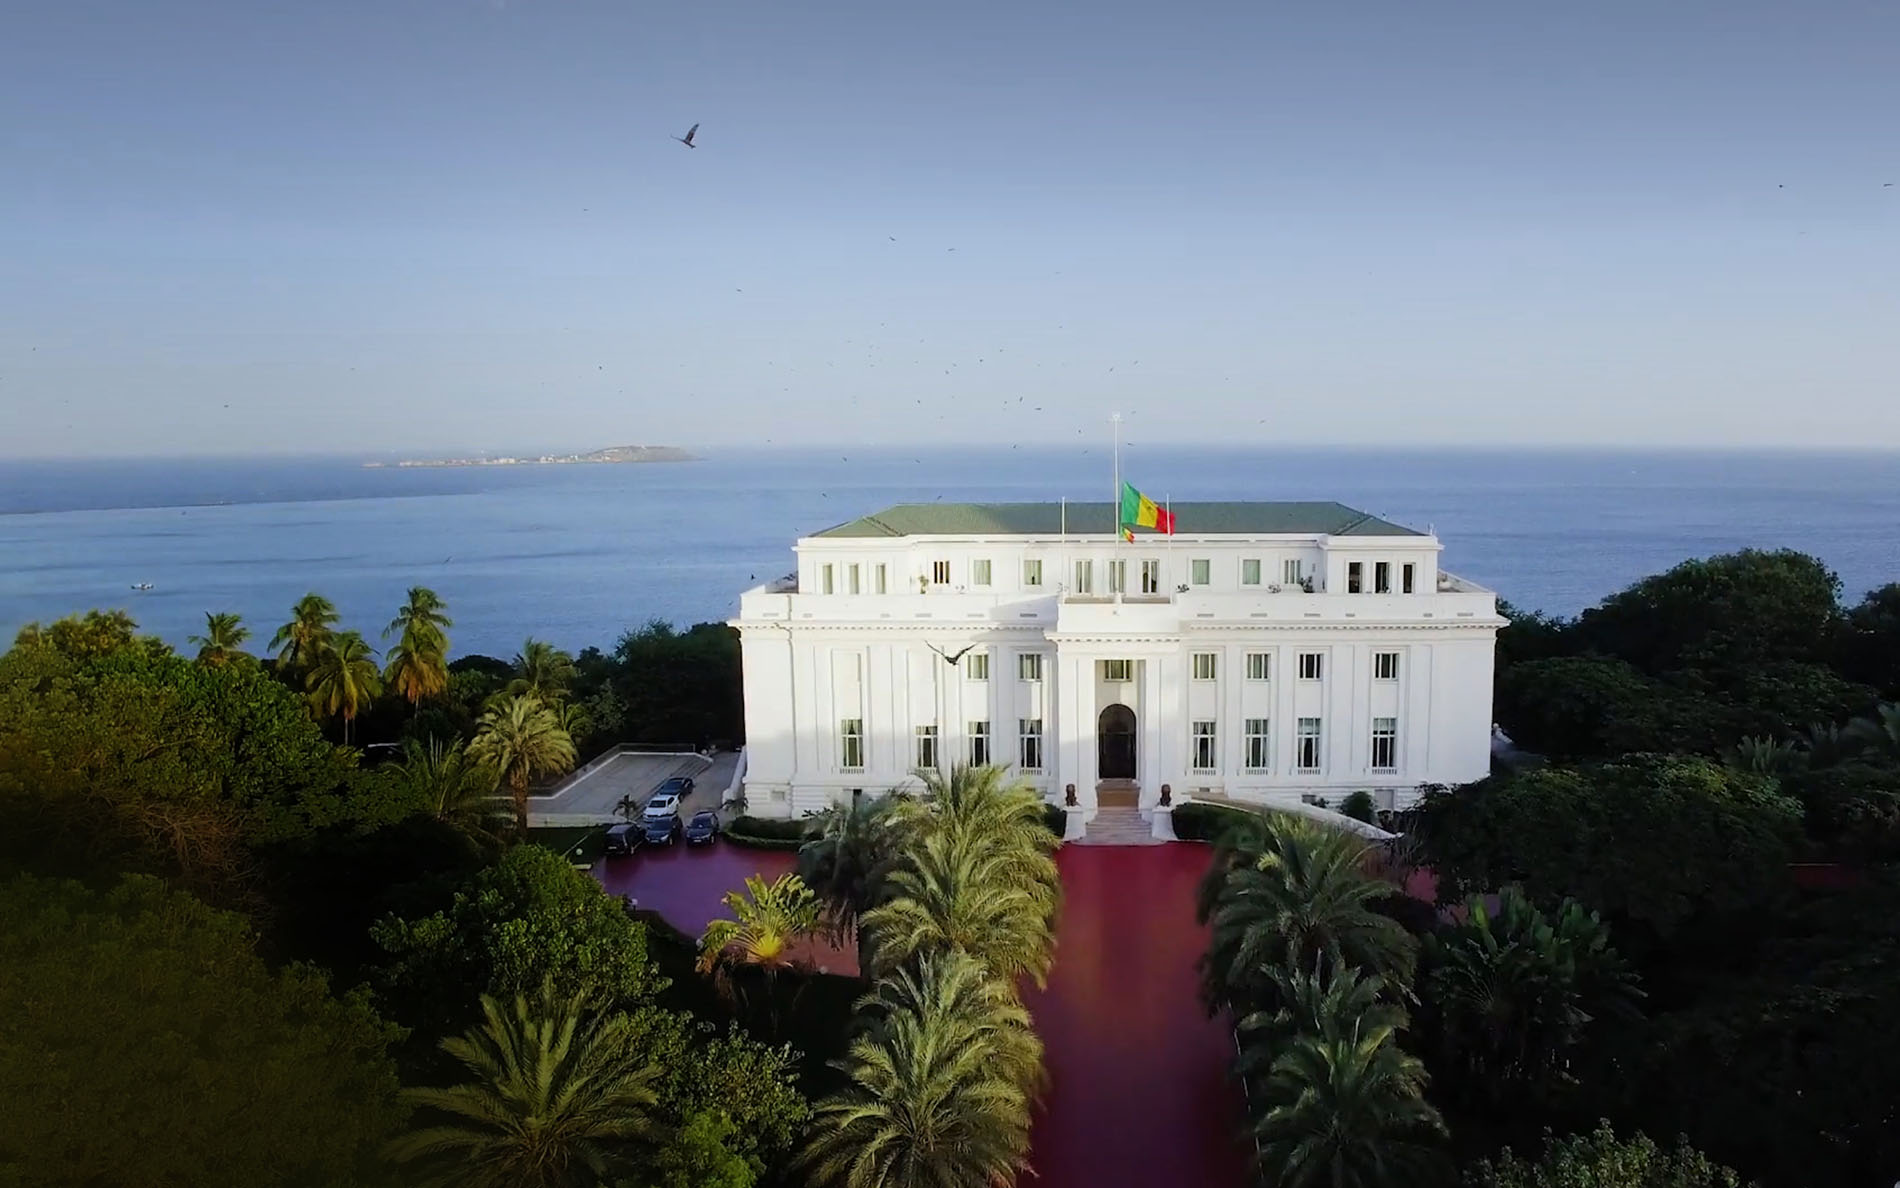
1078,823
1164,823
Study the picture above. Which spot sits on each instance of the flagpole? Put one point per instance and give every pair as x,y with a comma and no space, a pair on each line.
1115,510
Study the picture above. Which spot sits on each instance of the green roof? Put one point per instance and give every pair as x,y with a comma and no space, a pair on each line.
1046,519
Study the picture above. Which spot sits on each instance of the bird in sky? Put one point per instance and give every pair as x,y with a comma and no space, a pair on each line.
947,658
687,139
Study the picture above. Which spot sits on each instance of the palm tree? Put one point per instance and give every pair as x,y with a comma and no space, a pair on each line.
852,849
223,640
1879,731
1346,1111
960,890
299,642
558,1099
542,670
985,800
767,921
521,739
937,1093
419,663
1305,903
1307,1002
344,679
1765,756
459,789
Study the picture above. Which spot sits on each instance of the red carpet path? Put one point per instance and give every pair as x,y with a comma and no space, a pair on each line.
1138,1093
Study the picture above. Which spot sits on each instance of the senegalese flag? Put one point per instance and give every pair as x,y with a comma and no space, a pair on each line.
1139,511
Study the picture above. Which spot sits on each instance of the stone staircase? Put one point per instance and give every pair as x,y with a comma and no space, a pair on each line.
1118,826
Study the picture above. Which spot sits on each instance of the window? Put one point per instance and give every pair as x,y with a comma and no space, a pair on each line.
1382,577
980,573
1259,666
1385,744
1032,573
1312,665
940,572
1250,572
1084,577
883,579
1029,733
851,578
1308,758
1118,671
1385,666
1204,663
1200,572
1203,746
1151,577
1029,666
1117,577
1290,571
1355,577
927,747
1258,757
825,582
978,666
979,744
1405,573
851,744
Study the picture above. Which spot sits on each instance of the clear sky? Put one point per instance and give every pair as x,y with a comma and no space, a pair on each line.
230,226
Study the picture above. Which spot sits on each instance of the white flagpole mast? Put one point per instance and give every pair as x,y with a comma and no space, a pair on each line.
1115,504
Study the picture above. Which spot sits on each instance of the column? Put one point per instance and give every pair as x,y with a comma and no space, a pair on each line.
1148,765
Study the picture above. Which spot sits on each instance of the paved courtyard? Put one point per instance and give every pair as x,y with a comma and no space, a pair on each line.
590,794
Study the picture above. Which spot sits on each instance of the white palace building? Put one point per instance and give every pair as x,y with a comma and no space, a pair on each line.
1263,652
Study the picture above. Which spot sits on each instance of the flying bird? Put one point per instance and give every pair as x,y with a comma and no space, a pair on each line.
687,139
947,658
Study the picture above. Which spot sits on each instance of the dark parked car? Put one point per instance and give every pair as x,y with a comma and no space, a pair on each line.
703,828
661,831
680,786
621,839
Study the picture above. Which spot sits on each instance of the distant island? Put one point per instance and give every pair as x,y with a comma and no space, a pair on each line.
632,453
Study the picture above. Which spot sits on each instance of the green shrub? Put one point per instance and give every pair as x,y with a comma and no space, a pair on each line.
1199,821
768,833
1056,818
1359,807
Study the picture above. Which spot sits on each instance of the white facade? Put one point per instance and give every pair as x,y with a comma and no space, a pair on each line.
1201,661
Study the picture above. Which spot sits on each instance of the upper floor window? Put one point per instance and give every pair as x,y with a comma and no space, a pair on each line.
977,664
1029,666
1355,577
1200,571
1151,577
1405,576
881,579
851,743
1118,671
940,572
1290,571
826,579
1382,577
980,572
1385,666
1084,577
1032,573
1312,665
1250,572
1259,666
852,579
1385,744
1117,577
1204,666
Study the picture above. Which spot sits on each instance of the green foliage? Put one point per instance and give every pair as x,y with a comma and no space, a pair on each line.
1852,809
1871,651
531,917
1531,635
1655,840
89,636
542,671
769,833
558,1099
1358,805
1346,1108
851,850
1583,707
1601,1160
418,664
453,786
299,642
1338,1003
705,1071
680,686
700,1155
522,740
146,1043
343,678
1199,820
223,640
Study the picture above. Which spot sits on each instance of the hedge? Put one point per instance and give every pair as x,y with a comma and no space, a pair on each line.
767,833
1198,820
1056,818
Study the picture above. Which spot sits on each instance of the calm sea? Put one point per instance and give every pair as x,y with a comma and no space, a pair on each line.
578,554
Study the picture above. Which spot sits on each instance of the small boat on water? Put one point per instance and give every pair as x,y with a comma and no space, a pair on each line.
141,585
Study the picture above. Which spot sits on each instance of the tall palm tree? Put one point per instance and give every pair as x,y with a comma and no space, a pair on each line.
1305,902
937,1095
1332,1004
960,890
558,1099
419,663
458,788
223,640
299,642
344,679
1346,1111
988,800
542,670
852,850
521,739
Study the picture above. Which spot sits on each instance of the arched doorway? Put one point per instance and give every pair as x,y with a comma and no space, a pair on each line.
1115,732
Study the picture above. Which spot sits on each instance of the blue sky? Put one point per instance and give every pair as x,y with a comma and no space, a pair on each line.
427,225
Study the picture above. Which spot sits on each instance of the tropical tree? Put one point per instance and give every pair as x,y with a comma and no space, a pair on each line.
299,642
960,890
542,670
344,679
1346,1110
852,850
419,663
768,920
1763,755
457,787
223,640
1337,1003
940,1086
522,740
1305,902
558,1099
1601,1160
1879,732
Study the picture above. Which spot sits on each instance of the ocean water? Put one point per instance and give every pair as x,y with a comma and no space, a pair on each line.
578,554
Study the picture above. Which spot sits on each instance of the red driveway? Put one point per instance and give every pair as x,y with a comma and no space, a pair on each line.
1137,1088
